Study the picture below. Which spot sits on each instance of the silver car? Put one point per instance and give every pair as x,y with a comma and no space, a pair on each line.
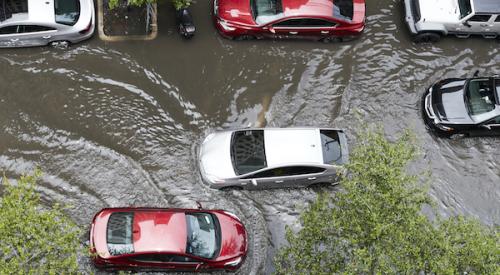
28,23
257,158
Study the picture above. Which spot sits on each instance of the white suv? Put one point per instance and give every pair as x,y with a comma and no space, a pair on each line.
27,23
428,20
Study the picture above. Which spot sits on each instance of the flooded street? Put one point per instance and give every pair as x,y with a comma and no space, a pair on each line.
118,124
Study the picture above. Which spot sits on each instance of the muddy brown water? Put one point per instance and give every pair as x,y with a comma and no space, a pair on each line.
117,124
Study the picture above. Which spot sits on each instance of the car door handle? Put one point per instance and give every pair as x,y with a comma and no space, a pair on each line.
278,181
14,40
325,32
47,37
293,32
311,178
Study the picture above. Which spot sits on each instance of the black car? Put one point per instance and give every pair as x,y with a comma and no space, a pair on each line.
467,106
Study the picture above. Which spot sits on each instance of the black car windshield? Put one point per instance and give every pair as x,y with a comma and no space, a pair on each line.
332,153
119,233
265,11
203,239
247,151
465,8
67,11
343,9
480,97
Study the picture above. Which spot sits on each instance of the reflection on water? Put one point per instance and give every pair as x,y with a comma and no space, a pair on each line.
117,124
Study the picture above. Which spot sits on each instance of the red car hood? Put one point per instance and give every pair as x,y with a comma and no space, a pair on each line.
237,11
359,11
234,237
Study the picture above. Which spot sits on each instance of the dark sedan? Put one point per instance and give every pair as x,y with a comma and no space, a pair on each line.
463,107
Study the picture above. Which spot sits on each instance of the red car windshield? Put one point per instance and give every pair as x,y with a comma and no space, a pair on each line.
264,11
119,233
203,239
343,9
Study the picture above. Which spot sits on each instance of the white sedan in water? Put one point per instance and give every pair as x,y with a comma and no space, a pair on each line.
28,23
257,158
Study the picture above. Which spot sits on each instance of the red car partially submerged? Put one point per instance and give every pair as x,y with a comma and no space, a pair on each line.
326,20
167,239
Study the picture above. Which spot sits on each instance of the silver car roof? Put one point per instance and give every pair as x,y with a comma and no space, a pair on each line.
293,145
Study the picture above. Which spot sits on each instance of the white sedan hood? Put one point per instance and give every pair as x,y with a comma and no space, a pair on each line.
215,156
439,10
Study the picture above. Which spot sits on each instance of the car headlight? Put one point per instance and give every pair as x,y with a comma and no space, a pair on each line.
225,26
209,137
213,179
444,128
232,215
234,262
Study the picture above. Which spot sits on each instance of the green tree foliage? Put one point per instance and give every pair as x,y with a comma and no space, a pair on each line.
178,4
33,239
375,225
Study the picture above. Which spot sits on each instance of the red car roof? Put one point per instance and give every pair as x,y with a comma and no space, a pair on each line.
323,8
319,8
159,231
153,230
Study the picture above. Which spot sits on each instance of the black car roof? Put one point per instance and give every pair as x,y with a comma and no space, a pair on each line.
487,6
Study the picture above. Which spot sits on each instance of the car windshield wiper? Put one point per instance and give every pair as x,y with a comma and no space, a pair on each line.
328,142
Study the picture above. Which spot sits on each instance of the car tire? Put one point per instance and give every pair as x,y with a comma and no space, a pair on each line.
427,37
244,37
331,39
457,136
231,188
320,185
61,44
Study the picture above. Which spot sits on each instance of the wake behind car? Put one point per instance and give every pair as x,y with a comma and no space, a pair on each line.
327,20
256,158
28,23
159,239
468,107
429,20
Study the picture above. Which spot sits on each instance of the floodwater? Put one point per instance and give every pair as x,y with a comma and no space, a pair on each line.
117,124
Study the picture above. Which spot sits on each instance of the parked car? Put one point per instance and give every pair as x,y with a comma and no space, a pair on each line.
463,106
326,20
159,239
272,157
27,23
429,20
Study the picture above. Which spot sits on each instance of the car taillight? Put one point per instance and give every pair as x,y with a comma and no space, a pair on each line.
87,29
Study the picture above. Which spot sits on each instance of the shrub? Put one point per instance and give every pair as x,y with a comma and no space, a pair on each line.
374,225
34,239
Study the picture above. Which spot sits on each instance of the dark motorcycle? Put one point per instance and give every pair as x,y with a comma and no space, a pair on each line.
186,25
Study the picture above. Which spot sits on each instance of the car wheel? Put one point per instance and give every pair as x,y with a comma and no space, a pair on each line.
457,136
244,37
320,185
427,37
331,39
63,44
232,188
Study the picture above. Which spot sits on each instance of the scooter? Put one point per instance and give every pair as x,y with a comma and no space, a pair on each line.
186,25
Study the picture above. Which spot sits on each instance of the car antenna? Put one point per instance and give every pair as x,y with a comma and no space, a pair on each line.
476,73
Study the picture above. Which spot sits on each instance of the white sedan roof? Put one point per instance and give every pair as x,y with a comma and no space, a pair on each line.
39,11
292,145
